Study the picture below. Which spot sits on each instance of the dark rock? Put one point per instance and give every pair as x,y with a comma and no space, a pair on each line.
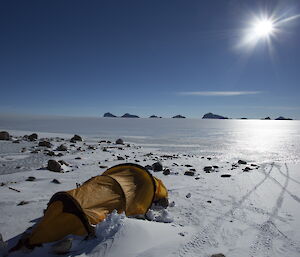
120,141
242,162
267,118
153,116
148,167
78,158
188,165
215,166
157,166
109,115
137,160
209,201
178,117
62,162
283,118
102,167
225,175
4,135
45,144
16,141
247,169
188,195
76,138
120,158
128,115
30,178
208,169
208,158
189,173
55,181
62,148
213,116
51,153
166,172
23,203
218,255
54,166
33,137
91,147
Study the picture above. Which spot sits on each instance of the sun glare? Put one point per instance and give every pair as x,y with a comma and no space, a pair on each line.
263,28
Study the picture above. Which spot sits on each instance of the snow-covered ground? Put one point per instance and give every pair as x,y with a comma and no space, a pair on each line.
250,213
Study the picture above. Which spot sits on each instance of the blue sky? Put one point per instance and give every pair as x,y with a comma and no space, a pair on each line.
84,58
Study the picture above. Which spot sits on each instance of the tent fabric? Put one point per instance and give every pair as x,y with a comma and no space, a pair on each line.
128,188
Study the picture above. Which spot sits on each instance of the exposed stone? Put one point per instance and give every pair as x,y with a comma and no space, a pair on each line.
45,144
55,181
178,117
166,172
4,135
189,173
62,148
33,137
213,116
218,255
62,162
148,167
54,166
78,158
128,115
22,203
157,166
119,141
102,167
225,175
30,178
51,153
120,158
109,115
242,162
188,195
76,138
208,169
247,169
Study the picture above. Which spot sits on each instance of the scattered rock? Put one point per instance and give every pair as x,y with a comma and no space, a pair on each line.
247,169
102,167
166,172
209,201
55,181
242,162
225,175
45,144
4,135
208,158
16,141
172,204
76,138
22,203
33,137
54,166
30,178
188,195
148,167
188,165
51,153
78,158
157,166
120,158
218,255
208,169
62,162
62,148
119,141
189,173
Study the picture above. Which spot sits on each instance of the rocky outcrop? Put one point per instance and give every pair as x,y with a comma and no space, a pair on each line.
157,166
109,115
75,138
213,116
283,118
267,118
4,135
120,141
178,117
128,115
54,166
33,137
45,144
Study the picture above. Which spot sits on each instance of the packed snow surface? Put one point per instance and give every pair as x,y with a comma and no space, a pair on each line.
253,210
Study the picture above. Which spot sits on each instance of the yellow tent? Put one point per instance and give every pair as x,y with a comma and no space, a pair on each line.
128,188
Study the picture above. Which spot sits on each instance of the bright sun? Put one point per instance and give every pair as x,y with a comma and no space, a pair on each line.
263,28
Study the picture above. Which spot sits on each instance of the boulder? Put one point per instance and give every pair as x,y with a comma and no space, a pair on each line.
166,172
242,162
120,158
4,135
157,166
119,141
54,166
30,178
33,137
76,138
225,175
208,169
189,173
55,181
283,118
62,148
45,144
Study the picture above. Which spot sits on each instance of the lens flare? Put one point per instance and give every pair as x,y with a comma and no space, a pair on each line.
263,28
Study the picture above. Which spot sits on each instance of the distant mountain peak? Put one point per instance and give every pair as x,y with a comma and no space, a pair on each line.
213,116
178,117
109,115
128,115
